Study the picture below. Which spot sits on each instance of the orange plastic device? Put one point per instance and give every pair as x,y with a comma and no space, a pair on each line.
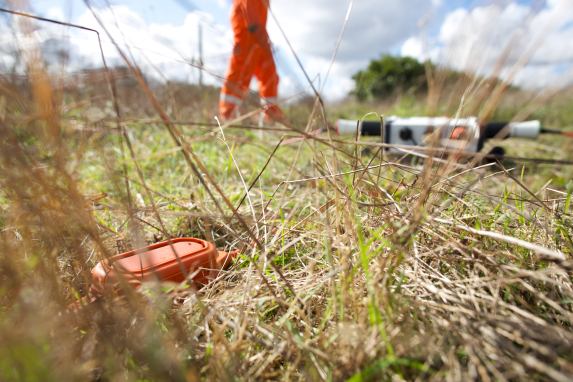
158,262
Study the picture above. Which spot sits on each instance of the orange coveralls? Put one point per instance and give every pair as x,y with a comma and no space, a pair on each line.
252,55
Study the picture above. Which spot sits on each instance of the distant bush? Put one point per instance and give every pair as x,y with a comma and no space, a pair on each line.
385,75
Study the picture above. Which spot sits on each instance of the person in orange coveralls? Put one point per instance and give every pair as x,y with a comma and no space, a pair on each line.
252,55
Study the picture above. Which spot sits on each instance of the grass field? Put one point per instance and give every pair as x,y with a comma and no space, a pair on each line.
367,267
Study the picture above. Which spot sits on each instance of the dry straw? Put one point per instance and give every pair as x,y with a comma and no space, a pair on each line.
351,268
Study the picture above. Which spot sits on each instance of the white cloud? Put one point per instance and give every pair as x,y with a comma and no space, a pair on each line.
475,40
163,46
554,3
313,27
55,14
374,26
413,48
169,48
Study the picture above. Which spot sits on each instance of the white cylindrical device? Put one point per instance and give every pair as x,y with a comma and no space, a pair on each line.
528,129
346,127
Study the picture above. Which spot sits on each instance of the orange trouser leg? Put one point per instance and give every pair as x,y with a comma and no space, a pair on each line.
268,81
237,78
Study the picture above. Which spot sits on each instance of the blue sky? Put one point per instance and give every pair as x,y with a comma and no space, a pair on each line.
464,34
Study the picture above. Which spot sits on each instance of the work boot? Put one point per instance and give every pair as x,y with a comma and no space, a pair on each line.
274,114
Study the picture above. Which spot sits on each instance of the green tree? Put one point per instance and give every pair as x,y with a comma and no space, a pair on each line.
385,75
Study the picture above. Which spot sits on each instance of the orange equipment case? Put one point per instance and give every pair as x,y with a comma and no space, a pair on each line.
158,262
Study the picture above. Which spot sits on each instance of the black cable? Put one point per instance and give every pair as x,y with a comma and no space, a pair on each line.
548,131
